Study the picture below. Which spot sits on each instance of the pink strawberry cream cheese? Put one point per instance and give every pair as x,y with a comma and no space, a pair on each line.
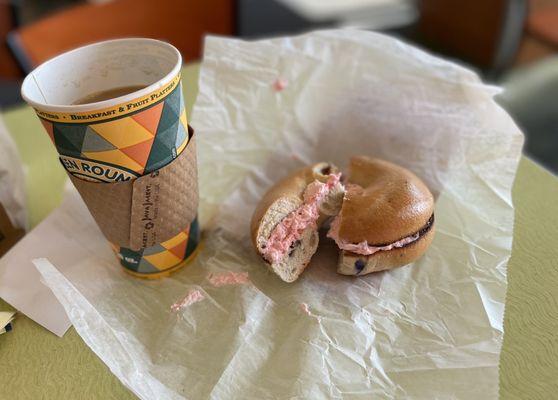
364,248
291,228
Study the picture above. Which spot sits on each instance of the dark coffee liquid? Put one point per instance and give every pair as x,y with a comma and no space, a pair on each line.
107,94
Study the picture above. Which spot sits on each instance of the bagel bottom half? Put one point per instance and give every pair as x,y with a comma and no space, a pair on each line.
357,264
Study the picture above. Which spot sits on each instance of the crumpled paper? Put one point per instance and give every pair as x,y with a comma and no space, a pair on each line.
428,330
12,180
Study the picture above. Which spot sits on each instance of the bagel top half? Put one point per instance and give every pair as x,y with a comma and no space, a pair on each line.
383,203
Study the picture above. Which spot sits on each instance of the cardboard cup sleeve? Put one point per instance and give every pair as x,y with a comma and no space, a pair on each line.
149,210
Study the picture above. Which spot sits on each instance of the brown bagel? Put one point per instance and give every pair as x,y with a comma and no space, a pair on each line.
384,203
282,199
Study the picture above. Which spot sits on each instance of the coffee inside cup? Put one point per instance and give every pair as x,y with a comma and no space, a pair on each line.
107,94
72,82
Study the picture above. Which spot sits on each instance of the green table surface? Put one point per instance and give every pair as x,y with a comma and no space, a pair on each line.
36,364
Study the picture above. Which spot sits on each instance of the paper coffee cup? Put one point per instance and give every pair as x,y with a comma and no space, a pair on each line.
117,139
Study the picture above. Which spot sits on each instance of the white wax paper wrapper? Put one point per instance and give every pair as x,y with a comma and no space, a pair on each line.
428,330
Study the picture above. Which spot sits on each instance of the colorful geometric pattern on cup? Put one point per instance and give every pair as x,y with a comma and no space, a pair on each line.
124,142
163,257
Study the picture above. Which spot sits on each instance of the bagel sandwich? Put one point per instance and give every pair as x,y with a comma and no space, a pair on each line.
382,217
386,219
284,226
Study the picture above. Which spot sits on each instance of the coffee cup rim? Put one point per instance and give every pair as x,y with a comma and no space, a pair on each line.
76,108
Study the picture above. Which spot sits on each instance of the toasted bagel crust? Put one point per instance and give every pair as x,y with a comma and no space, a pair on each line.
384,203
